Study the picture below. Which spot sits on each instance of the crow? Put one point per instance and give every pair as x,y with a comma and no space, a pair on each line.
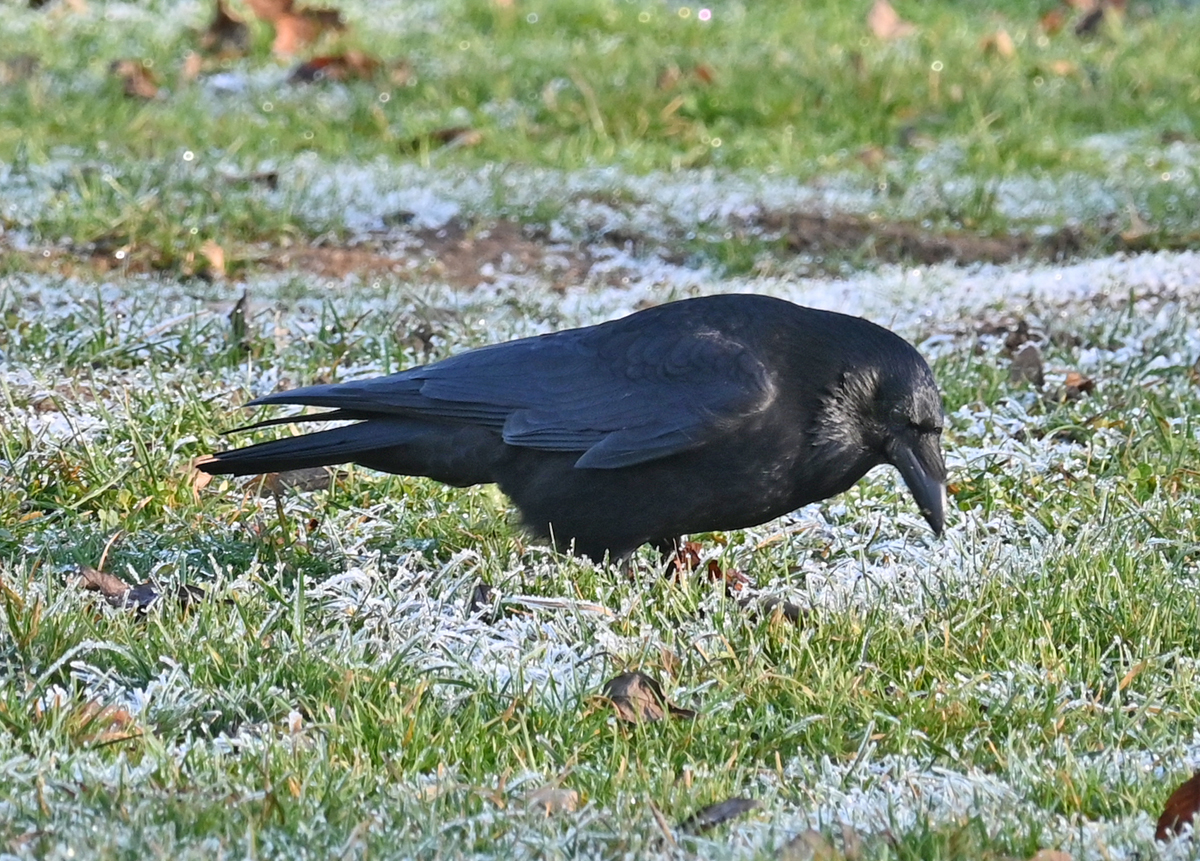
713,413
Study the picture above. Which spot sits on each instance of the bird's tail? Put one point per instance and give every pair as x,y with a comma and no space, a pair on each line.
460,455
323,448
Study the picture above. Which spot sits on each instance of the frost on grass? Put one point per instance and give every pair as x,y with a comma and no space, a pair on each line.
89,370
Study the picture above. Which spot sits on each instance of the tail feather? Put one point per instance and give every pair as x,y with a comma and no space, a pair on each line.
459,455
323,448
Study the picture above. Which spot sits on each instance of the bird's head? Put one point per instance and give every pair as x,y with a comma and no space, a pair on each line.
891,412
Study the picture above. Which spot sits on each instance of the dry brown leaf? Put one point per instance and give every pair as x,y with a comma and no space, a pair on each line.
707,818
193,65
453,136
227,35
199,479
112,588
1077,385
121,595
215,255
1027,365
1051,855
808,845
637,697
554,799
1180,808
852,844
872,156
269,10
1053,21
296,30
139,82
999,43
886,23
103,724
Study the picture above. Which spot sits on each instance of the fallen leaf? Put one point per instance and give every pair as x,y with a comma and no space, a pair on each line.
999,43
1180,808
1053,21
139,82
121,595
227,35
554,799
296,30
1051,855
103,724
1077,385
1027,365
852,845
872,156
886,23
453,136
336,67
112,588
808,845
269,10
637,697
215,255
707,818
193,65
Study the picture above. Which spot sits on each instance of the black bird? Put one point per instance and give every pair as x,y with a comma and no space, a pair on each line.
714,413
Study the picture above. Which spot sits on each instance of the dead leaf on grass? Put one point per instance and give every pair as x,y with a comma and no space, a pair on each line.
999,43
1027,365
553,799
1077,385
296,30
139,81
453,137
121,595
1050,855
708,818
808,845
886,23
215,255
637,697
1053,21
1180,809
269,10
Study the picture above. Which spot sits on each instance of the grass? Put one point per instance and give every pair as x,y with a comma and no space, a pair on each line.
936,127
1029,681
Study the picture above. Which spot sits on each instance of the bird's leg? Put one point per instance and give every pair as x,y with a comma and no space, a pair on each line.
672,556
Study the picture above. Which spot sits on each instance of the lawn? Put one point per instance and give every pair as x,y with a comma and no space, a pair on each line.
319,674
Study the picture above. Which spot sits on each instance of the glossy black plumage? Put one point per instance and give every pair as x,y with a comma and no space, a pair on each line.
714,413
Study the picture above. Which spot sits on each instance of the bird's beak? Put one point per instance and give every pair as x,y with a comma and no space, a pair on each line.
924,472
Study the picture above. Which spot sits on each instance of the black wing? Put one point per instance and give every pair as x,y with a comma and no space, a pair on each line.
621,393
